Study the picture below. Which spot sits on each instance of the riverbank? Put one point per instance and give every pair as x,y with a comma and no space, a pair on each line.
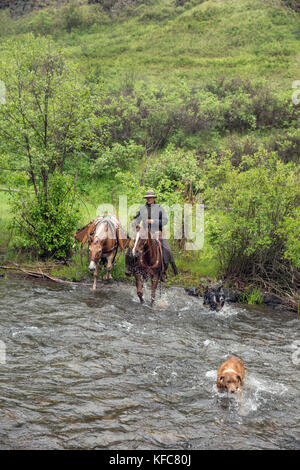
73,271
192,265
197,269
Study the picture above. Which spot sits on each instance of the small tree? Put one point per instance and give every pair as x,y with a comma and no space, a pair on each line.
48,118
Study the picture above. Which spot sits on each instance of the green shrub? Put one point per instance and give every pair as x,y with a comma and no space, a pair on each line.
72,16
6,25
252,296
294,4
291,232
46,225
287,145
174,169
118,158
43,22
183,114
252,221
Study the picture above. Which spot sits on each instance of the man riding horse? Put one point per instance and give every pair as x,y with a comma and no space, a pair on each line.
153,218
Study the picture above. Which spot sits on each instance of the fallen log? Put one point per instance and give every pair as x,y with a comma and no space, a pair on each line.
39,274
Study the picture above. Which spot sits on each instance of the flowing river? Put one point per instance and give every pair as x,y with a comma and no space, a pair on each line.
97,370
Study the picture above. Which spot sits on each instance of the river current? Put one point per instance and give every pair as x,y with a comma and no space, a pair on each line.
97,370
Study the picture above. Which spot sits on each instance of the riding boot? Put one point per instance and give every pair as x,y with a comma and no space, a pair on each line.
174,267
128,270
128,262
168,255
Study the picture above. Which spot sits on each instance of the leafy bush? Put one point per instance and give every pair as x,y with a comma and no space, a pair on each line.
253,104
72,16
290,231
287,145
43,22
294,4
6,26
174,169
182,113
56,122
46,224
174,175
252,218
118,157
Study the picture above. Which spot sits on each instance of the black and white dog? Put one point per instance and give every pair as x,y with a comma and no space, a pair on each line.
214,297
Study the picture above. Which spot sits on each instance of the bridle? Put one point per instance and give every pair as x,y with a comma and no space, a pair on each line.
147,268
115,247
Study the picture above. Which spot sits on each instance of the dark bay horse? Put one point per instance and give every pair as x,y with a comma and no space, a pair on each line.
105,236
147,261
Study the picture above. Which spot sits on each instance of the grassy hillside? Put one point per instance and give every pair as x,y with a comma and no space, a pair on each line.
216,38
155,40
168,53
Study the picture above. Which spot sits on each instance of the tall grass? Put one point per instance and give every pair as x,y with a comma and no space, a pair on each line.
5,218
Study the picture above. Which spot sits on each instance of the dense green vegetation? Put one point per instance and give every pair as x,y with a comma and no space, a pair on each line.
192,99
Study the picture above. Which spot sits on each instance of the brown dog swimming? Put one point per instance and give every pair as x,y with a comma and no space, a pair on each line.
231,374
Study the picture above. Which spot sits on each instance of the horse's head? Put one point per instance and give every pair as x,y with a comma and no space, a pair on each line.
141,242
95,252
96,241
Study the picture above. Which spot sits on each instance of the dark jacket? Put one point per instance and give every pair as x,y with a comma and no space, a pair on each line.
151,211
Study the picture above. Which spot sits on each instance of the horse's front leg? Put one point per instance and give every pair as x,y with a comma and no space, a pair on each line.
108,275
139,287
154,284
95,277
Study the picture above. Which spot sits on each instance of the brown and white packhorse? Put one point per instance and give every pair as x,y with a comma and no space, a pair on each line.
148,261
105,236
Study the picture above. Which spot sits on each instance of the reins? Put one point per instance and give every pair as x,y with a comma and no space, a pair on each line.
156,264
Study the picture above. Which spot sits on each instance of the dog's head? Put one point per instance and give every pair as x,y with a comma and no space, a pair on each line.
229,381
214,297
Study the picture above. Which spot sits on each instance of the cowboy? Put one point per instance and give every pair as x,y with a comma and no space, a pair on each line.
153,217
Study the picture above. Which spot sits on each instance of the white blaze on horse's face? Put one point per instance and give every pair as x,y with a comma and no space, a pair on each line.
95,252
135,244
92,266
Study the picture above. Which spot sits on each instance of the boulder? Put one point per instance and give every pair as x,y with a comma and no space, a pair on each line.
271,299
232,295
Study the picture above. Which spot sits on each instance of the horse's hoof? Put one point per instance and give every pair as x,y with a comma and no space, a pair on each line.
141,300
